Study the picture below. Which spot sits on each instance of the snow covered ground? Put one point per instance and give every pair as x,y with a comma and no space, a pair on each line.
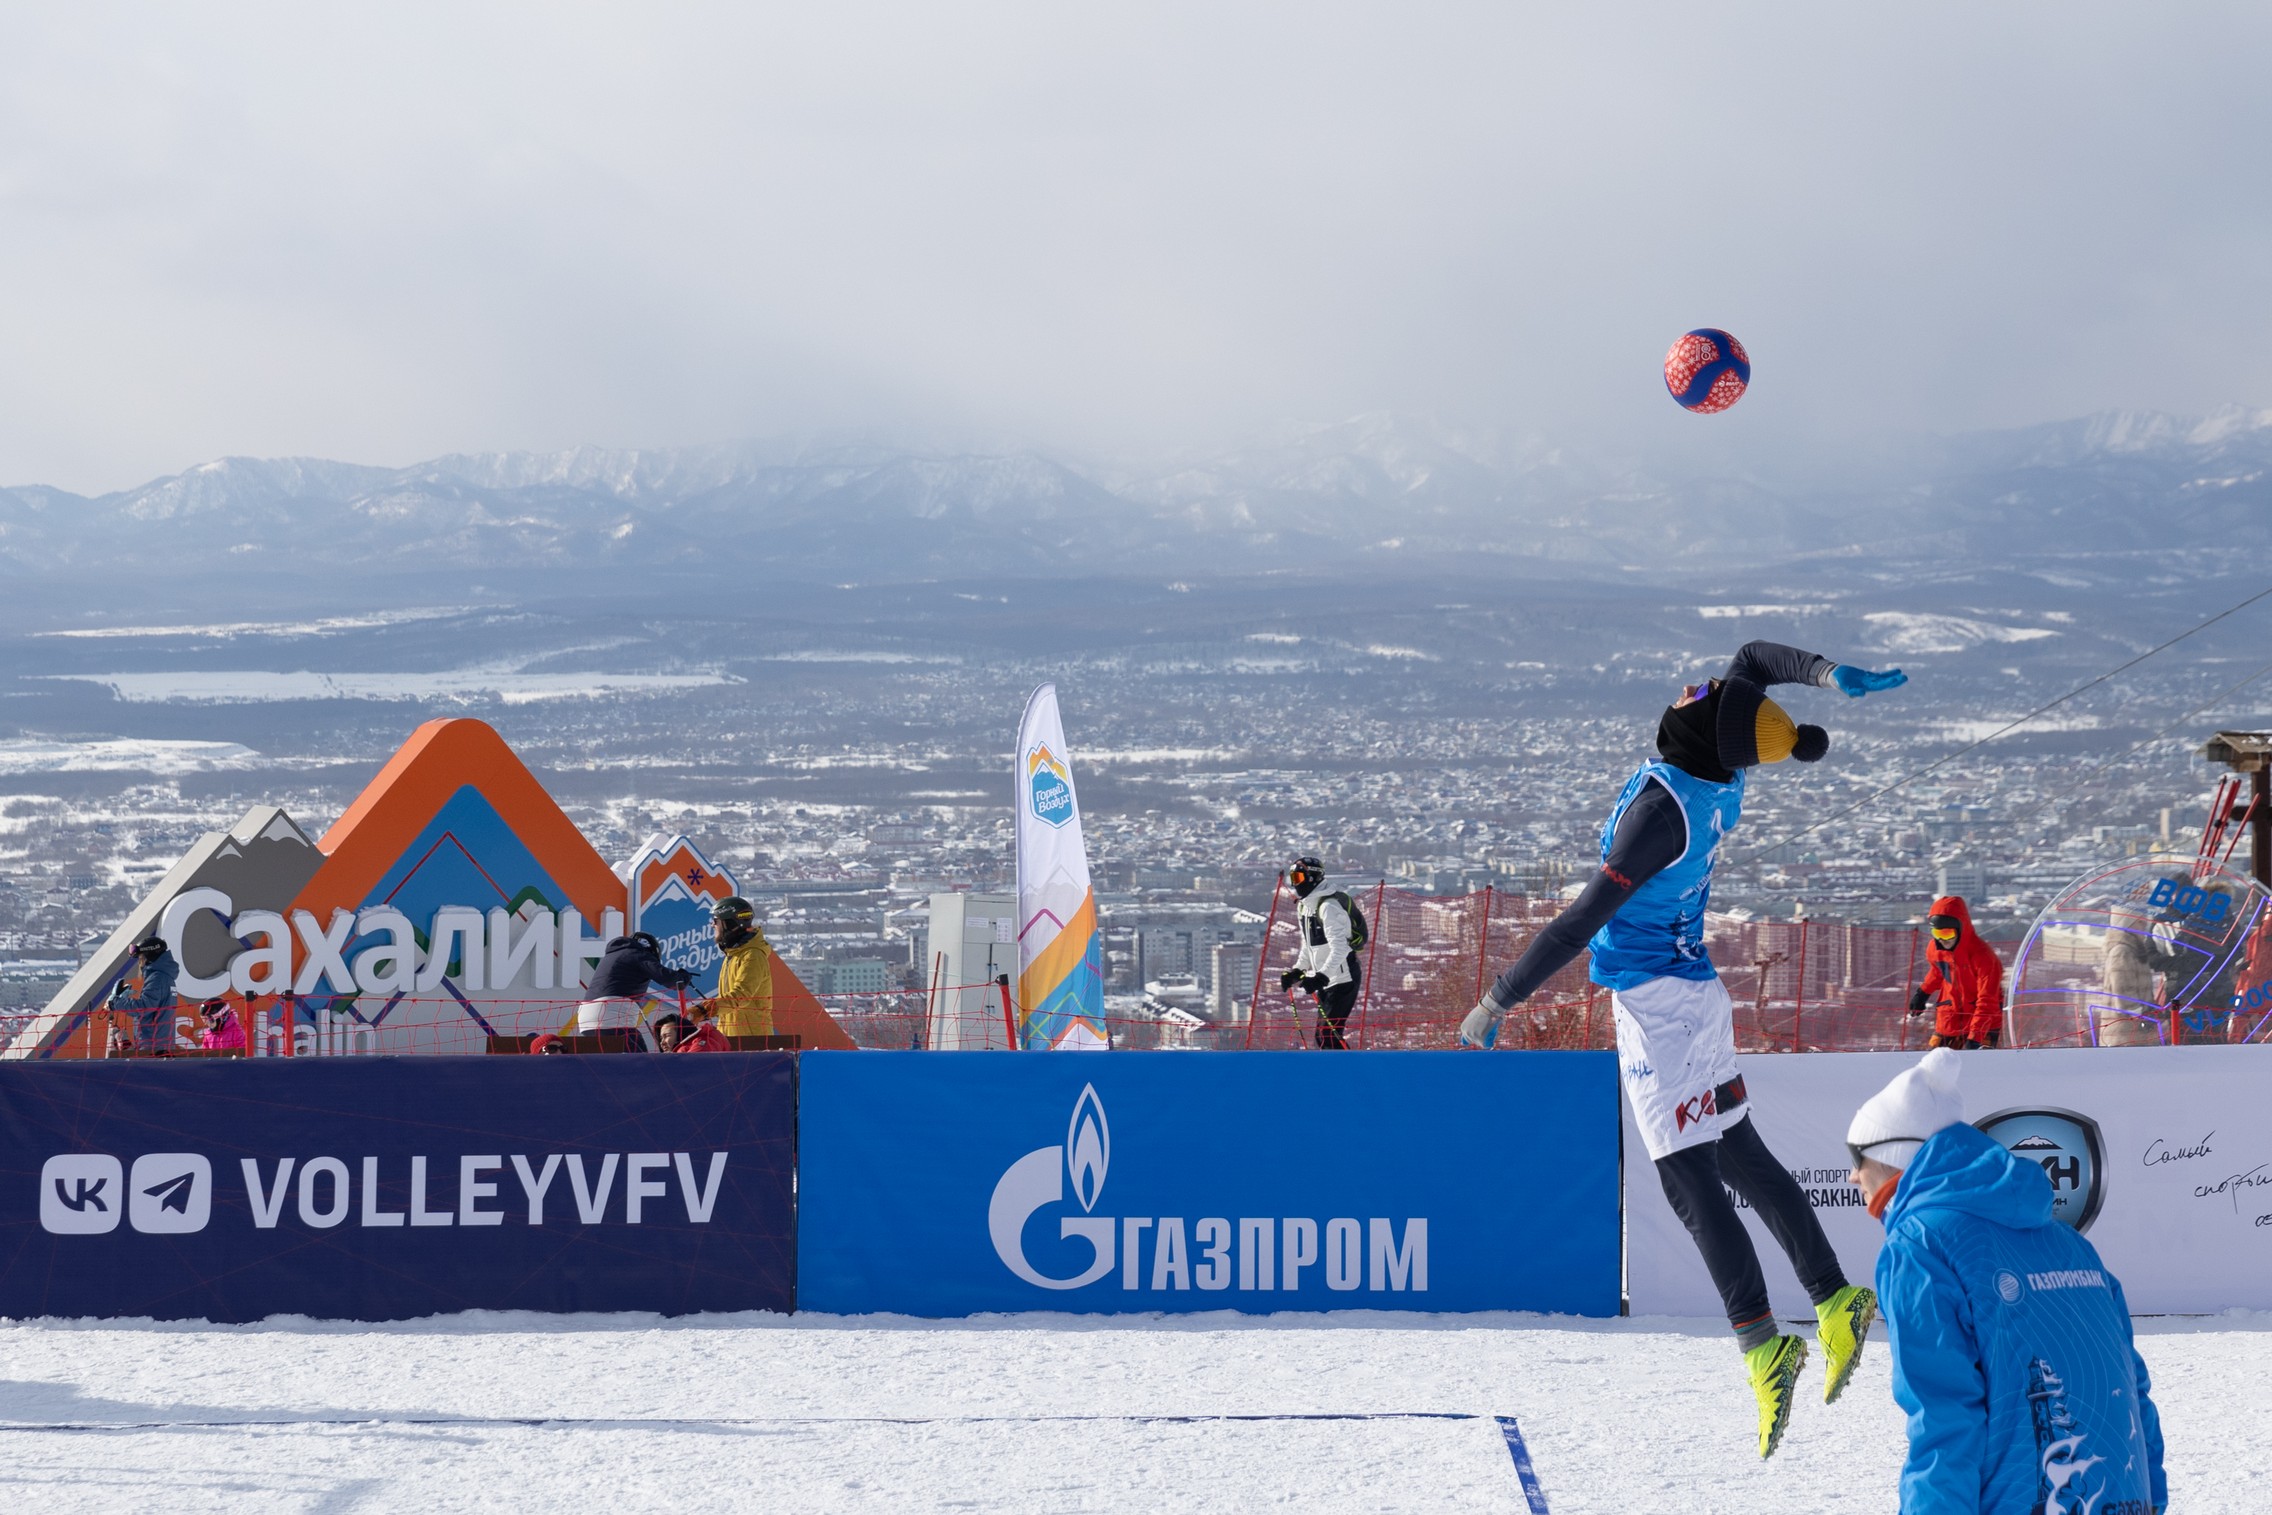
600,1415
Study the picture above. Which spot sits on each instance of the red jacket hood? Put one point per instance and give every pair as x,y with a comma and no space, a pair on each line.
1969,947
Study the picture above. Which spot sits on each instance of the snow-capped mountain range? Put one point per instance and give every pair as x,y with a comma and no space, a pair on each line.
1378,494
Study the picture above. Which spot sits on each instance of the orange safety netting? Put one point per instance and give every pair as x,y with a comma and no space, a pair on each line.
1811,986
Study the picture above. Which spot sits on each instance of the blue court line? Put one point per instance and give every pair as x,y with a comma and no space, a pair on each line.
1532,1493
645,1422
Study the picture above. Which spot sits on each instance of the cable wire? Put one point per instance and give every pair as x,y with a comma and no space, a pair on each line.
2210,704
2011,726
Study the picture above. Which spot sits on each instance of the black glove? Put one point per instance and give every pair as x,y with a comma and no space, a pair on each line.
1315,983
1288,979
1916,1002
1992,1039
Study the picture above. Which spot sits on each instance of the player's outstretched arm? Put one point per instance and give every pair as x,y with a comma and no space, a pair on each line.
1766,663
1651,836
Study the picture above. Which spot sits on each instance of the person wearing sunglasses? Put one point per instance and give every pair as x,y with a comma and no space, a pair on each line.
2011,1342
1964,980
1642,919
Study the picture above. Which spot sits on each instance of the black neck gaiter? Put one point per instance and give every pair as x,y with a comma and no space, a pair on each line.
1688,738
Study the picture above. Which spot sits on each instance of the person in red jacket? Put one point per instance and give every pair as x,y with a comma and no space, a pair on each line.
675,1033
1967,977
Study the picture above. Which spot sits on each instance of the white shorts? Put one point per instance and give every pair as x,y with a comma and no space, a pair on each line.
606,1015
1676,1055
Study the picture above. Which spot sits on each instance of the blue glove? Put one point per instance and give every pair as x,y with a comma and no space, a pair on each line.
1856,682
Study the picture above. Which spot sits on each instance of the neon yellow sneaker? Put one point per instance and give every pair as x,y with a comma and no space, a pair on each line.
1774,1375
1844,1325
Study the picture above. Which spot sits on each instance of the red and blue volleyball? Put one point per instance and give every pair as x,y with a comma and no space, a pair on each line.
1707,370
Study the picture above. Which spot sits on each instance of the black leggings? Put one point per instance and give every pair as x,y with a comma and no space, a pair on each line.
1697,1179
1333,1006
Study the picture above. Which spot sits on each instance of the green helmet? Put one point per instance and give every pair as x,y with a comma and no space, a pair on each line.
734,918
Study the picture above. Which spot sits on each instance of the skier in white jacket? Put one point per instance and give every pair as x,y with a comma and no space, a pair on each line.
1326,964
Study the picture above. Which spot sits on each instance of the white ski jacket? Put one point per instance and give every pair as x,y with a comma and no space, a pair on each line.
1325,938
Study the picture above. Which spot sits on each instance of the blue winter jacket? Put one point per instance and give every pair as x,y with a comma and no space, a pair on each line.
2011,1347
152,1007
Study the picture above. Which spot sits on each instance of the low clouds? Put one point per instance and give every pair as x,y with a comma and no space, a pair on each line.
273,230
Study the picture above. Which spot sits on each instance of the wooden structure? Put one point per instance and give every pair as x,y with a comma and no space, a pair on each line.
2250,752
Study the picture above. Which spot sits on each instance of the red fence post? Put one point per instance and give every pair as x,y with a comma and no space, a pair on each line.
1372,947
931,1000
1262,957
1483,945
1799,1007
1908,987
1009,1020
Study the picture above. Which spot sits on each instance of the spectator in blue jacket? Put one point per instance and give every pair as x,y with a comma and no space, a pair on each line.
2011,1342
150,1003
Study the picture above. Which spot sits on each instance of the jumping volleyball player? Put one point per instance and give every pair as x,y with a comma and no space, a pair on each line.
1643,918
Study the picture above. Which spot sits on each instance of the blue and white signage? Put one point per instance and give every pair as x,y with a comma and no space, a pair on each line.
382,1188
1262,1181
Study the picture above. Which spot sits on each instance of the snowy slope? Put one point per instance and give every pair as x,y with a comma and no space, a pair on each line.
817,1413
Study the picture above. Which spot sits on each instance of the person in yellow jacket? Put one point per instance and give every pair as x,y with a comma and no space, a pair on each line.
743,1004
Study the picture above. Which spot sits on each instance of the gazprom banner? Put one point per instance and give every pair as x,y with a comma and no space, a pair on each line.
378,1188
1256,1181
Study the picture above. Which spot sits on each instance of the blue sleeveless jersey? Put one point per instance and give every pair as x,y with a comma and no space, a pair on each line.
1660,931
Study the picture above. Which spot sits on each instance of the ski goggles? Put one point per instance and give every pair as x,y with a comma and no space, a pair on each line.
1858,1151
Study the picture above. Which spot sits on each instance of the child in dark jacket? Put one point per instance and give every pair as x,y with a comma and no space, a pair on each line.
2011,1342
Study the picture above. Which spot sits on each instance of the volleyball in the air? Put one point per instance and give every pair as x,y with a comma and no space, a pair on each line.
1707,370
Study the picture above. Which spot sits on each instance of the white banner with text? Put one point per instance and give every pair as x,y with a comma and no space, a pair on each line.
2161,1155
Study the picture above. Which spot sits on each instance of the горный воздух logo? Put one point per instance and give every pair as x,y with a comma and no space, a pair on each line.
2068,1147
1049,788
88,1193
1218,1252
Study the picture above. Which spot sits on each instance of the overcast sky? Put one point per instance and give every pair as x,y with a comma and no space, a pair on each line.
385,234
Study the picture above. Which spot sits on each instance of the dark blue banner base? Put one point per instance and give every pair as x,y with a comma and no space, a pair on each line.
386,1188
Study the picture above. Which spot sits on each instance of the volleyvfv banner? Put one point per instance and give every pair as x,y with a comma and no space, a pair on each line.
1060,951
2162,1156
385,1188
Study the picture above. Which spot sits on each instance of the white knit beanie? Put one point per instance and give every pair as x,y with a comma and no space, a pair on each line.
1894,1122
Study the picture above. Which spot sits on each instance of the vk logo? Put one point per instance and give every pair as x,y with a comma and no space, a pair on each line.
87,1193
79,1194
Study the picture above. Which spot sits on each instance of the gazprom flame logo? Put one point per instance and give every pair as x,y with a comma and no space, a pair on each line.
1049,787
1088,1147
1038,1179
